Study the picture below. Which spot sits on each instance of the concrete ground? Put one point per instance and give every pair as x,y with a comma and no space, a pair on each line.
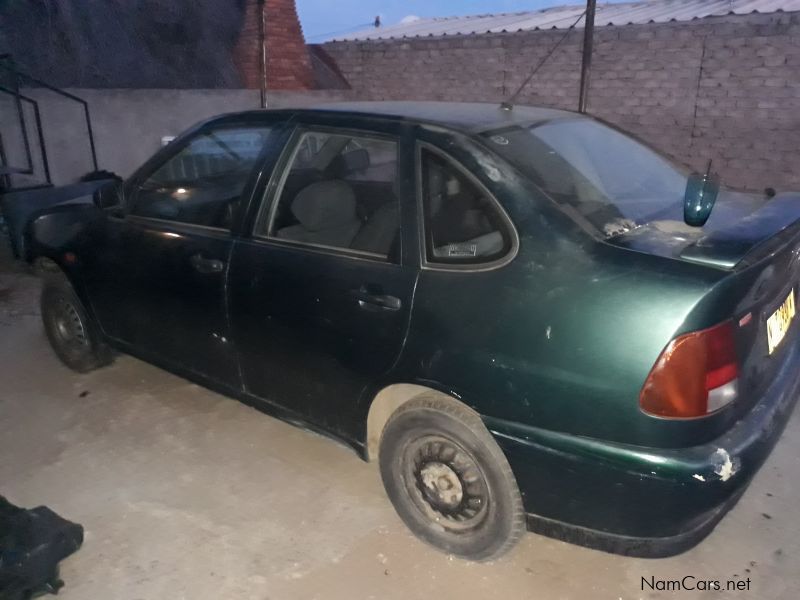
186,494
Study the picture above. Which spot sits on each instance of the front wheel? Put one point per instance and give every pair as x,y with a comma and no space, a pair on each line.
448,479
70,330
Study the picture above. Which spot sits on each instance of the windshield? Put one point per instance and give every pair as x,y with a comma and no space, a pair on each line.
607,178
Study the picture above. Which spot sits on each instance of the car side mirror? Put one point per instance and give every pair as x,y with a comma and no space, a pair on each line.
109,195
699,197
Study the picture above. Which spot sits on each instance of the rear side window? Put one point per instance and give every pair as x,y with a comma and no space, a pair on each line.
339,193
463,224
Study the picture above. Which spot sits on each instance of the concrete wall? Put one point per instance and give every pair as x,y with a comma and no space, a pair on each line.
128,124
725,88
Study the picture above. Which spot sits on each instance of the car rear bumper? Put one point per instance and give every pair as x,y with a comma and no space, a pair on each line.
643,501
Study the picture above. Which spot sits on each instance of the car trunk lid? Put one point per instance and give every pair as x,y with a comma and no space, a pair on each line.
741,229
755,243
762,292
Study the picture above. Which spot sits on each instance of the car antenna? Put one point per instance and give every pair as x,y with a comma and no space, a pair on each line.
509,104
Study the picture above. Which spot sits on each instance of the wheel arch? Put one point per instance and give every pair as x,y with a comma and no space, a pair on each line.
48,264
386,401
43,265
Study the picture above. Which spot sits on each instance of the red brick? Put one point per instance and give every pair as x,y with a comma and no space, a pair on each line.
288,64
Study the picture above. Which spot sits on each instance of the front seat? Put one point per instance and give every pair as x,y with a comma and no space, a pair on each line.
326,211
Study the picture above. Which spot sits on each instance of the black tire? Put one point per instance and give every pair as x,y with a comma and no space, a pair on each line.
71,332
448,479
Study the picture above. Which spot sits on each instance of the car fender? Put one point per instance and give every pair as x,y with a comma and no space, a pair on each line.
21,207
52,232
60,234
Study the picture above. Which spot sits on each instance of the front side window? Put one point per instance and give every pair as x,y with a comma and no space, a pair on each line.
463,225
202,184
339,192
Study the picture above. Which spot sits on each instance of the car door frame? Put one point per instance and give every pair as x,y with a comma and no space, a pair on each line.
262,169
264,198
263,201
266,161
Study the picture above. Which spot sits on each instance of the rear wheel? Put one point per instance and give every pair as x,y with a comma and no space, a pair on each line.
71,332
448,479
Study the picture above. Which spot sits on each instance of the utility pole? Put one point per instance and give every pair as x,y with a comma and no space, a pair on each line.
262,56
586,64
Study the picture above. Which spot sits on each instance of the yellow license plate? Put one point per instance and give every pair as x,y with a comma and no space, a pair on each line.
778,323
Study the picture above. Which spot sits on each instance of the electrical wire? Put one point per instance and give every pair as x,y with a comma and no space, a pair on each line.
341,31
507,104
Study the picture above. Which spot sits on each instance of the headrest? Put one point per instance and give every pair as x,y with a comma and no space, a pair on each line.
325,204
436,187
436,179
355,160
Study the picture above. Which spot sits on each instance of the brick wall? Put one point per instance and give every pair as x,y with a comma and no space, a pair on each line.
288,64
723,88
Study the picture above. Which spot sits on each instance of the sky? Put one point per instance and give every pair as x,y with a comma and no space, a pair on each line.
323,19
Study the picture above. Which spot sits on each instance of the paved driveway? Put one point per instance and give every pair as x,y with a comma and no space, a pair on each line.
186,494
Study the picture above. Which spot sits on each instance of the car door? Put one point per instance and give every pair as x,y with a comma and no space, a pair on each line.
157,279
321,292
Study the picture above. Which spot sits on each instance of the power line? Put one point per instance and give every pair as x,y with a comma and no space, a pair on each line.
341,31
510,102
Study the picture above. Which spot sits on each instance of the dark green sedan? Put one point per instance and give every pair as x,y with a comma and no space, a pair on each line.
526,316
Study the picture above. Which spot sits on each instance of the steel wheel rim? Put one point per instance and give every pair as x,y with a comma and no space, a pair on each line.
445,483
68,325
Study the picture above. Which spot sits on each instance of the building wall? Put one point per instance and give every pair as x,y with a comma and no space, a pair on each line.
128,124
288,64
722,88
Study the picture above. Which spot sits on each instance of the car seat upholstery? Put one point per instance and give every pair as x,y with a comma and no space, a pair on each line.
379,232
326,211
350,162
436,188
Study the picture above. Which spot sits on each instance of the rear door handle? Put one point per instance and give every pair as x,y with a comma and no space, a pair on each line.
206,265
368,300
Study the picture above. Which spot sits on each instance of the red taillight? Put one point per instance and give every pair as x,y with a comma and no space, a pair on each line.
696,374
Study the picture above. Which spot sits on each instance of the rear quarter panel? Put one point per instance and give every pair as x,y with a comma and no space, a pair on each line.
563,337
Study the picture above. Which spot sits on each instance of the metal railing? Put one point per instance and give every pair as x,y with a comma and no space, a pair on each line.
7,65
40,134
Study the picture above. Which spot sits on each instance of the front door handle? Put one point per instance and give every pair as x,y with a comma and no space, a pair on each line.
206,265
368,300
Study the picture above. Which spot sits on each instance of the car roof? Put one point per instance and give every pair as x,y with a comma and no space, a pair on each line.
469,116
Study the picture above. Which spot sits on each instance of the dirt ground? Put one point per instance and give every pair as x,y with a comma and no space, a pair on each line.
186,494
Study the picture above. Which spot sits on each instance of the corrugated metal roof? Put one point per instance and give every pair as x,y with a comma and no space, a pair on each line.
561,17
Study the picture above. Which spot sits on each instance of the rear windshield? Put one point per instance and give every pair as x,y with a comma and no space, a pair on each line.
609,179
